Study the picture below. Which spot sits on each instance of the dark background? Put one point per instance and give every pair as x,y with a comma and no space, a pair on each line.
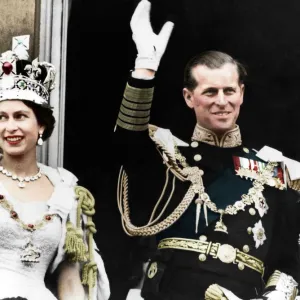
264,35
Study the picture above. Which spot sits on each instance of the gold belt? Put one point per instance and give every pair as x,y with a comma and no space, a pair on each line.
225,253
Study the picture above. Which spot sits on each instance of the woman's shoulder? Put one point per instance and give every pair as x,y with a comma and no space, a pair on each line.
64,199
59,175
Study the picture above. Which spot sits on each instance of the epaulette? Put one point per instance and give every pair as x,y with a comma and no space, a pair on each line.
79,242
293,184
165,138
291,167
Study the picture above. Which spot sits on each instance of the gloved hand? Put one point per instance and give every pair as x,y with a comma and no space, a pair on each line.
150,46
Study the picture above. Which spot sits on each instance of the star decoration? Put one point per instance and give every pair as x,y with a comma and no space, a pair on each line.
259,234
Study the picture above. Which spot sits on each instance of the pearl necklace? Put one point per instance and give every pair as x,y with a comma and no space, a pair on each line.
21,180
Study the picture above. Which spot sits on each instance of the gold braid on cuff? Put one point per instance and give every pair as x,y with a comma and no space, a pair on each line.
138,95
134,113
214,293
283,283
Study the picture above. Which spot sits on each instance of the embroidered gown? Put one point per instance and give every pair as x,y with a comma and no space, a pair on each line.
19,279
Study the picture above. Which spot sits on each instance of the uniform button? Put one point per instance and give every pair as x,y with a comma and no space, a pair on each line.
201,172
246,150
202,257
252,211
194,144
241,266
202,238
249,230
152,270
246,248
197,157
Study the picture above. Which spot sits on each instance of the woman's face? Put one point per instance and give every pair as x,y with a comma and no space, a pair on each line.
19,129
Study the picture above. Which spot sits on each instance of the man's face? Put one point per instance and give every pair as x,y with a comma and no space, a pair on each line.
217,97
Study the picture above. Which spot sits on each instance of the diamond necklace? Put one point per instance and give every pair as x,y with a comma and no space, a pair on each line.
21,180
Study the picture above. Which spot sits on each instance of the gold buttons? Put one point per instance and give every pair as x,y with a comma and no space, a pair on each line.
202,238
246,248
194,144
249,230
197,157
246,150
152,270
202,257
252,211
241,266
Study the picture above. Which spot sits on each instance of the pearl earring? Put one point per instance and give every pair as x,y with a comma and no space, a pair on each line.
40,140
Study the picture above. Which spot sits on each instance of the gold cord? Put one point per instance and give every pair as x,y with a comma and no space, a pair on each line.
86,205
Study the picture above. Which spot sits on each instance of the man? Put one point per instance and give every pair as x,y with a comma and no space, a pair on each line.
224,217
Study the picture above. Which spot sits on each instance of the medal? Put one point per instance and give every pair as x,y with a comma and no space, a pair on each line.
250,169
254,196
220,226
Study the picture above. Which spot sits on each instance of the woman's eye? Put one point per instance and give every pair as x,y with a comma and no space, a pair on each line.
21,117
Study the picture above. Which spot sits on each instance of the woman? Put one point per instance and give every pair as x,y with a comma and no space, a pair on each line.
45,218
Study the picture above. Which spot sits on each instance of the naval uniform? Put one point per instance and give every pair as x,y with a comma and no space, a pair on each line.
225,221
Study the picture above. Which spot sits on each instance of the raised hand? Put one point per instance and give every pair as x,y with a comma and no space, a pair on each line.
150,46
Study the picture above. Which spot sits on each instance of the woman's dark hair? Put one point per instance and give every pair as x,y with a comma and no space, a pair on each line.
212,60
44,116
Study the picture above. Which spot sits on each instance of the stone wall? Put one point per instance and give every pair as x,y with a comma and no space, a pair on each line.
19,17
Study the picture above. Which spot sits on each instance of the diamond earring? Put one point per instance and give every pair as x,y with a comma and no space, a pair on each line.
40,140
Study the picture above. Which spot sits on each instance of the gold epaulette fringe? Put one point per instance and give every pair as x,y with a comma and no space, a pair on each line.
294,184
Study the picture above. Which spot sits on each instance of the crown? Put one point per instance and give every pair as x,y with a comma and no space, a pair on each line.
21,79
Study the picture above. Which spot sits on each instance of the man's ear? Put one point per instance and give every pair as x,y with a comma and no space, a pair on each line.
242,87
188,97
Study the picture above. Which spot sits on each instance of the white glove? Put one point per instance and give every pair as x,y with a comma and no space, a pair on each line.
134,294
150,46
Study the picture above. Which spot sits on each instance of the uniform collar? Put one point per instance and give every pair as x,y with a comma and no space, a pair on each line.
230,139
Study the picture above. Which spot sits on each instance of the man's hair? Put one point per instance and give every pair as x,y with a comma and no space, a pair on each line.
212,60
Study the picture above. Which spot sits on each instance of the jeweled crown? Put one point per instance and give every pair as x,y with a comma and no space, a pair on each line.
21,79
